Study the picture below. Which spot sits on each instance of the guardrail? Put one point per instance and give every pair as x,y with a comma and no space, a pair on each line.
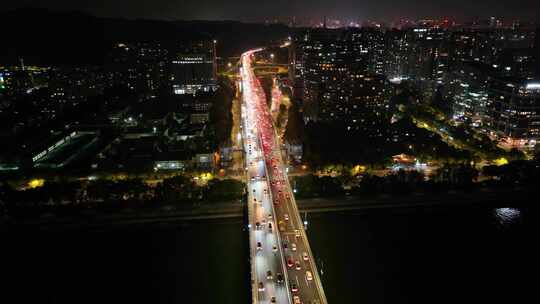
299,220
280,244
252,241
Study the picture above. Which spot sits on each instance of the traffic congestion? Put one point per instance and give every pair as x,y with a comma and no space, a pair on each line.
281,243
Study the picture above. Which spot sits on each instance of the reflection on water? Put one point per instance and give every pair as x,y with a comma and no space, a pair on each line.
415,255
507,216
387,255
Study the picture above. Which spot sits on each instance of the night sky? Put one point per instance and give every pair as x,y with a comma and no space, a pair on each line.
304,10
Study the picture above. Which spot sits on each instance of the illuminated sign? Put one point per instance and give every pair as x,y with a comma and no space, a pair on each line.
533,86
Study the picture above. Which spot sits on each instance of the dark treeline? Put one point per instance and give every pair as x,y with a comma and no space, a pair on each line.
110,195
44,37
455,177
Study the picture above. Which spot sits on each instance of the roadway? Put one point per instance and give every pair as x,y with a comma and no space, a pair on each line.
265,245
272,202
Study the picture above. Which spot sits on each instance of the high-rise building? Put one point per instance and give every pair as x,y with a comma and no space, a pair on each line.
426,54
341,71
141,67
515,111
394,54
468,85
193,69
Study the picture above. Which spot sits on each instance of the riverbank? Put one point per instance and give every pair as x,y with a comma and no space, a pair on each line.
224,210
515,197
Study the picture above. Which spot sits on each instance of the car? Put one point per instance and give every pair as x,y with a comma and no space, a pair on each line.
261,286
297,233
269,275
269,216
305,256
285,246
274,248
269,226
290,262
297,264
259,246
279,278
294,287
293,246
296,300
286,216
257,225
309,276
273,300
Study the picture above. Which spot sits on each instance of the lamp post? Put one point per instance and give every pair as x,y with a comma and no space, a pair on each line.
214,61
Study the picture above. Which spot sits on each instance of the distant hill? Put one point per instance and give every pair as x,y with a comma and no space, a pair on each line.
45,37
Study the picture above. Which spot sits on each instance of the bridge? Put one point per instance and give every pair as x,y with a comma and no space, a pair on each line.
282,266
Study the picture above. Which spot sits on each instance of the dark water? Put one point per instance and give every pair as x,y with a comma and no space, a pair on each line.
420,255
199,262
428,255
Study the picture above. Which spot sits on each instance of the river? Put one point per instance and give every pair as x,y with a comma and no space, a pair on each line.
392,255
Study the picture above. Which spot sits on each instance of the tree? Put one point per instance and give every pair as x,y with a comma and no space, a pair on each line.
294,132
222,190
179,188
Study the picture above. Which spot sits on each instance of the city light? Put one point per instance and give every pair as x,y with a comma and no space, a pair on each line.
501,161
507,216
339,109
36,182
533,86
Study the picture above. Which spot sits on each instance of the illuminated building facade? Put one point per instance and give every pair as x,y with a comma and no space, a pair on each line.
193,70
341,72
468,85
141,67
515,112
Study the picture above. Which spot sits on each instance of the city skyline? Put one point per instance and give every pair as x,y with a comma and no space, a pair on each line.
288,12
361,153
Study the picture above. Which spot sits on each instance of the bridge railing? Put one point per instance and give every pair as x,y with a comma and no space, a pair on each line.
315,273
280,243
252,241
